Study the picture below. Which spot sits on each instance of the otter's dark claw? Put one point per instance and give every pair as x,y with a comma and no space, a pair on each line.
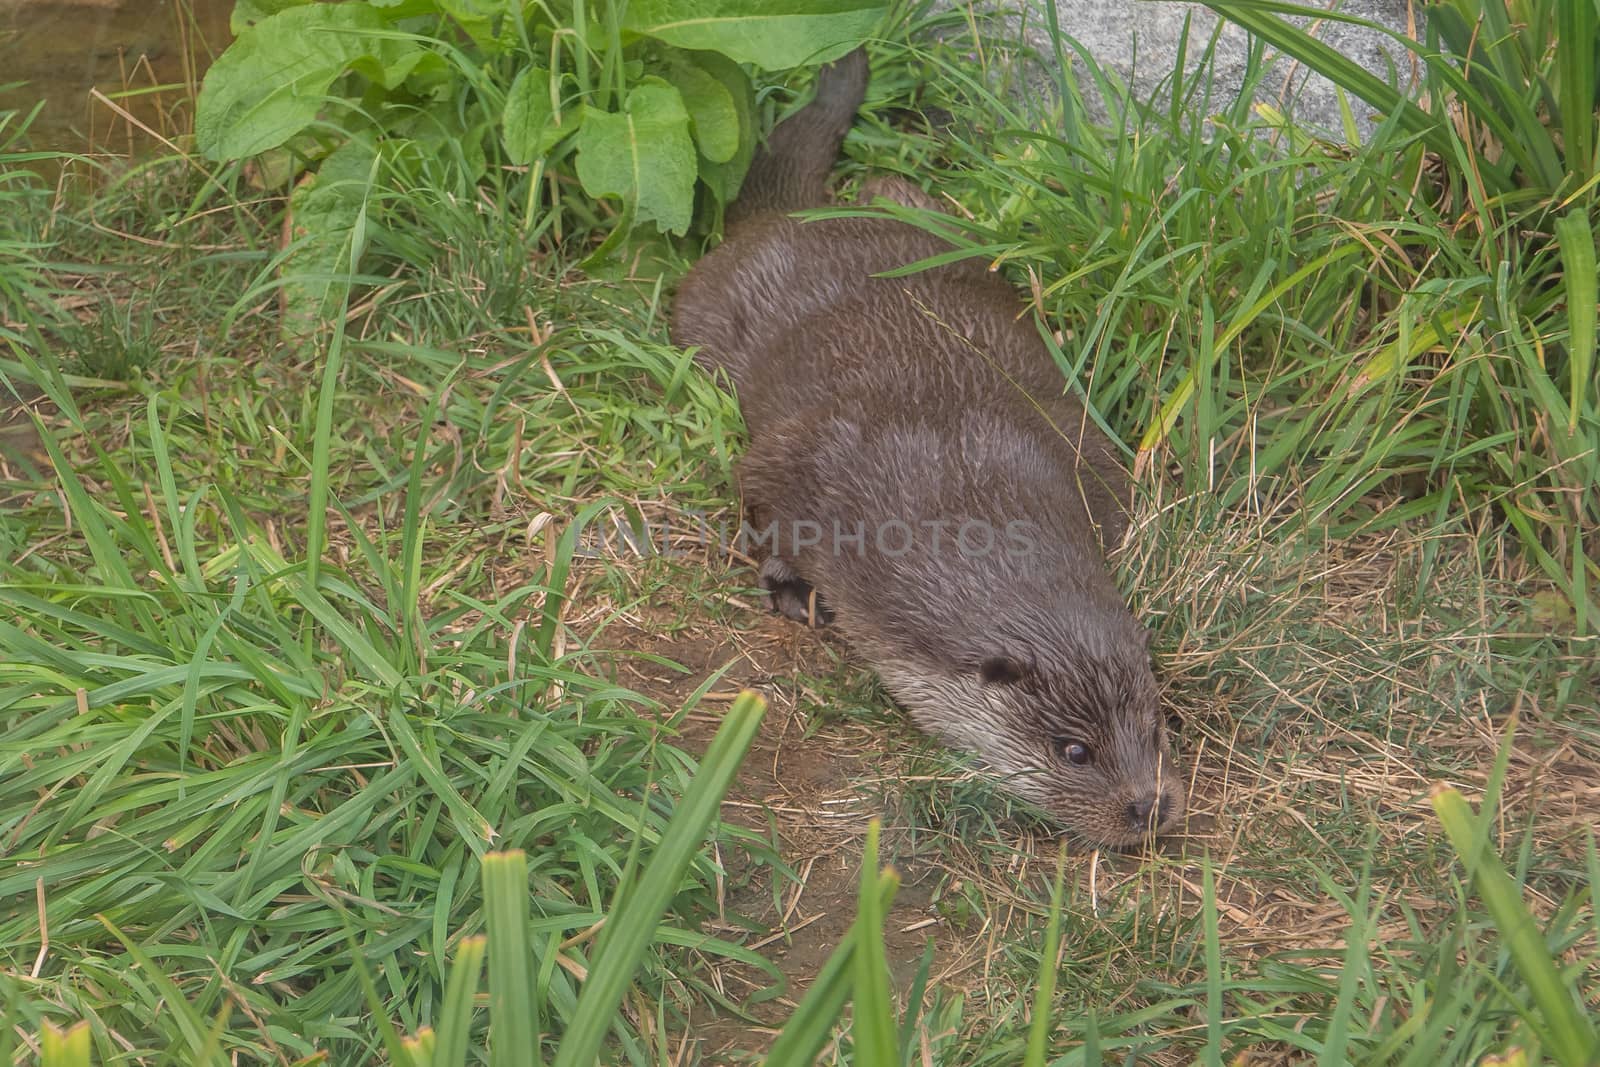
792,596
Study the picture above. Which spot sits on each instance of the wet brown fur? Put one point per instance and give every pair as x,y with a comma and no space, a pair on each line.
930,401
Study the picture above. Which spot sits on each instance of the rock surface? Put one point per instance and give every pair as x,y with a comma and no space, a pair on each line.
1138,39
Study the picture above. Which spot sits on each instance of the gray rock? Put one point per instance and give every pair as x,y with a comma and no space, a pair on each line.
1138,40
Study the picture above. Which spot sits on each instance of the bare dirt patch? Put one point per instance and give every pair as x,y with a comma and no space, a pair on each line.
808,780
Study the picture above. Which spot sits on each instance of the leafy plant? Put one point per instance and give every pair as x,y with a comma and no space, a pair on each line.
646,103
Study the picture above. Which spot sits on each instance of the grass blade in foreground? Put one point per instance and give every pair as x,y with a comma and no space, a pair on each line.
1044,994
455,1016
513,1039
813,1021
874,1017
628,935
65,1048
1579,273
1561,1027
1213,947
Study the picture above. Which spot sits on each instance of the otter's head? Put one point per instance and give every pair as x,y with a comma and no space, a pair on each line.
1077,731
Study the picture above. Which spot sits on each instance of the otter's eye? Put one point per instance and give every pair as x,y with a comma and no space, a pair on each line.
1074,752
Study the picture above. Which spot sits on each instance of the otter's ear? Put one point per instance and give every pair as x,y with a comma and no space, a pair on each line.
1000,670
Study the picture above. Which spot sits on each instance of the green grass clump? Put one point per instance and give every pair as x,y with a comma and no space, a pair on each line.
206,740
1509,124
285,657
23,215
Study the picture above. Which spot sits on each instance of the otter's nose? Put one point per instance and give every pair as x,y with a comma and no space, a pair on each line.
1139,811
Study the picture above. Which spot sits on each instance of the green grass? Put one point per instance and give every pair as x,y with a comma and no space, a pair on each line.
284,770
299,646
260,776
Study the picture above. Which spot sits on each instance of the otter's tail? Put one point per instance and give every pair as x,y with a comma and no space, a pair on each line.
789,173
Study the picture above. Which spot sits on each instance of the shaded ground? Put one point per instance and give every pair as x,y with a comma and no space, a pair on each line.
22,454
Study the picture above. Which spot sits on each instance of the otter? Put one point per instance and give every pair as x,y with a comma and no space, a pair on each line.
918,476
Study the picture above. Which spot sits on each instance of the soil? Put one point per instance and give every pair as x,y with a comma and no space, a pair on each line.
809,778
23,459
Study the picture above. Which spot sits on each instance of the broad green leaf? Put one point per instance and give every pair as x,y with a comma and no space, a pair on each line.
272,81
713,116
724,178
247,13
806,31
528,125
642,154
323,209
477,18
496,26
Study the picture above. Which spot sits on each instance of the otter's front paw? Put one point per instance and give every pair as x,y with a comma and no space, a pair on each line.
791,595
